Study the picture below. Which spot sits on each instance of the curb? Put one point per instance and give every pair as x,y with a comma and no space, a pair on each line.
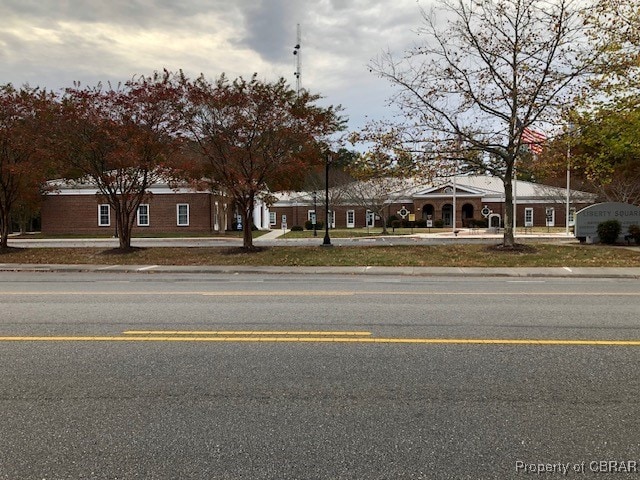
515,272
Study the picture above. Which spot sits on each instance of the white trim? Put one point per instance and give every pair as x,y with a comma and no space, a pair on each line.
100,223
552,222
351,224
370,219
528,222
178,214
153,190
138,215
311,217
572,216
273,218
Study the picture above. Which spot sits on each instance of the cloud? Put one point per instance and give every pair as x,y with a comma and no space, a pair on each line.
52,43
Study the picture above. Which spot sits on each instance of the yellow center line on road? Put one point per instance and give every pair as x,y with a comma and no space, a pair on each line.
324,339
272,333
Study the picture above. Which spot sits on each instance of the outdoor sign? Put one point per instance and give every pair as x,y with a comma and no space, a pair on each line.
588,219
430,223
412,217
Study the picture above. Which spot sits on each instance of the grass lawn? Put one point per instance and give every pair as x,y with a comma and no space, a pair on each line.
541,255
377,231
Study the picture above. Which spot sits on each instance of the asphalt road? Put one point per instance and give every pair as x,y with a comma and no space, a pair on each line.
316,377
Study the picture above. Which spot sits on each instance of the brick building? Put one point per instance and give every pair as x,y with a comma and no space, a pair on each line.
477,199
78,208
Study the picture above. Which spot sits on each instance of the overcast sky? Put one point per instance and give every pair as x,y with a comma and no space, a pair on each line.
51,43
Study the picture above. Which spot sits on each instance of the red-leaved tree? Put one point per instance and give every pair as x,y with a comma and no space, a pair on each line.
122,139
256,136
25,118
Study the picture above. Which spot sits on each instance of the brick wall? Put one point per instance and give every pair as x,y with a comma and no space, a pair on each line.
78,214
472,208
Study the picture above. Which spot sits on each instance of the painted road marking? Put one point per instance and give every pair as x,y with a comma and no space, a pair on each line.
143,269
248,332
267,293
341,339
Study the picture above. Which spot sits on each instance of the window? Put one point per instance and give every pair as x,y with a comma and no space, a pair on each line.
351,218
104,215
332,218
528,217
272,218
183,214
311,216
371,218
572,216
551,216
143,215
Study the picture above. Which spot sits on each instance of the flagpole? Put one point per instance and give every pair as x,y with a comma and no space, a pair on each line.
568,184
454,199
515,197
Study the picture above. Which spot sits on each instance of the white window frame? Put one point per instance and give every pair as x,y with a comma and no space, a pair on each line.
139,215
552,222
311,216
572,216
332,216
108,215
273,218
183,224
352,214
370,219
528,217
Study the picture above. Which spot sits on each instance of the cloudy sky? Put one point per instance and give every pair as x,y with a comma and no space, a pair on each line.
52,43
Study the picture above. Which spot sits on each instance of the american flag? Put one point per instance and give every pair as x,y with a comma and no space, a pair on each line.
533,139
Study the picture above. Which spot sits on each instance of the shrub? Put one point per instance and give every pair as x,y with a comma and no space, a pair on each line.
421,223
608,231
477,222
634,231
438,223
391,219
396,223
308,225
297,228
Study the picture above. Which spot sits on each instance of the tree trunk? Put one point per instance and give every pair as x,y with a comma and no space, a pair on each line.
124,227
384,223
247,223
508,240
5,225
247,234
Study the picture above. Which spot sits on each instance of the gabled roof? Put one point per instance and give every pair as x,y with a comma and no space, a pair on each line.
484,186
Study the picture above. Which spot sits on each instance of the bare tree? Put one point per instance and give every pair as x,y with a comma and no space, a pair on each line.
382,180
484,73
376,194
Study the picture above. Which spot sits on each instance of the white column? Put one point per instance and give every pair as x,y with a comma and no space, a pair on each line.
257,215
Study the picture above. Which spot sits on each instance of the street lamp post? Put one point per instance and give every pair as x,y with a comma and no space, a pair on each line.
314,195
327,241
